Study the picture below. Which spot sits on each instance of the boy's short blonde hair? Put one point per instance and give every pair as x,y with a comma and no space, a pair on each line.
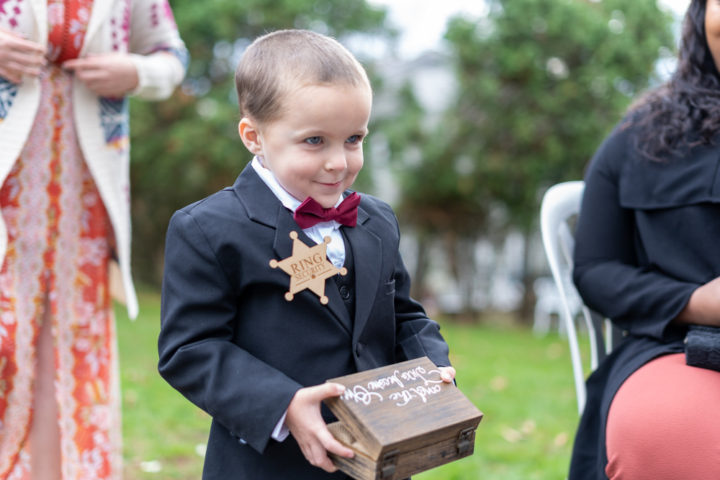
278,62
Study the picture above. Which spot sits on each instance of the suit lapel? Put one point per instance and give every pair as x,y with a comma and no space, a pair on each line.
336,305
283,246
366,247
263,207
260,203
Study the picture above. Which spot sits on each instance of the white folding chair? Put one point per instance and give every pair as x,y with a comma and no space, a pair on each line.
560,206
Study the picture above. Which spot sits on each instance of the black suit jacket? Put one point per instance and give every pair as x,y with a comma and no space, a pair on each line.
233,345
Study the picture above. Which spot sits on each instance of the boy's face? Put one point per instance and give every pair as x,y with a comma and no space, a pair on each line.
314,147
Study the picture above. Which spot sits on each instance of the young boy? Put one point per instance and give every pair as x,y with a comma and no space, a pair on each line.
237,339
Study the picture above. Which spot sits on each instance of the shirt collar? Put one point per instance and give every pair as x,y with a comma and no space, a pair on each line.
290,202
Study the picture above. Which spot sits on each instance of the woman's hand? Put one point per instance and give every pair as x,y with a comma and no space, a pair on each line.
308,427
108,75
703,308
19,57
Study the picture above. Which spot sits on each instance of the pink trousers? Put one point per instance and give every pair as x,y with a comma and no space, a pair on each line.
664,423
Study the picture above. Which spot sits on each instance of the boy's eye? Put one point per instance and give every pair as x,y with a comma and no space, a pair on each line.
354,139
313,140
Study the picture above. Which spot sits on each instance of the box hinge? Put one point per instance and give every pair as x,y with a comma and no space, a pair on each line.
388,464
465,441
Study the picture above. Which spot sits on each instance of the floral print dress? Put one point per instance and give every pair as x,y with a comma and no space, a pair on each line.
56,270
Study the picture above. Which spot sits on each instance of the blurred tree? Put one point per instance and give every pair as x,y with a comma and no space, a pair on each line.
188,147
540,82
436,199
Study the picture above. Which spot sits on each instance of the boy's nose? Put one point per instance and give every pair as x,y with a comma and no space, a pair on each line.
336,161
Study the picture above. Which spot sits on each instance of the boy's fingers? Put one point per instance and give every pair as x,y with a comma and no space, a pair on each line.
317,444
316,454
447,374
333,446
326,390
327,465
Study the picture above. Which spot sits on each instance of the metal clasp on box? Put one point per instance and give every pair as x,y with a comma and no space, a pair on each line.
389,461
465,441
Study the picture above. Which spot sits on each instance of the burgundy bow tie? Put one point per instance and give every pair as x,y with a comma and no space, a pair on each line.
311,212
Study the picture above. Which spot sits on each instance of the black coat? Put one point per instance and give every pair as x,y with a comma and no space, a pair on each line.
648,235
233,345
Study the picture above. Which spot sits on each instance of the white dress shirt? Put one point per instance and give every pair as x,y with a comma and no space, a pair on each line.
335,249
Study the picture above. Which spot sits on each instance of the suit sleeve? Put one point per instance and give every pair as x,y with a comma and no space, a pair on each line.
417,335
196,353
607,272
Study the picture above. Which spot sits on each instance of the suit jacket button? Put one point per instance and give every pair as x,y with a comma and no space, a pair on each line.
344,292
358,349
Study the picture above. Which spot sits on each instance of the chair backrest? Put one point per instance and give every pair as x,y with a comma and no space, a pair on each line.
560,206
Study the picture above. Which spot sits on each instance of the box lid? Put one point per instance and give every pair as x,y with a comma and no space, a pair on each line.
401,407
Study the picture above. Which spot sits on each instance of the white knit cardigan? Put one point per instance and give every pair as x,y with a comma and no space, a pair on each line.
143,28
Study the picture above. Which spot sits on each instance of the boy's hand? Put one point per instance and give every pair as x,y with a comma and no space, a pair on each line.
447,374
308,427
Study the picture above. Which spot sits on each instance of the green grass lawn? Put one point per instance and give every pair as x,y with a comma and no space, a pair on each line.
523,385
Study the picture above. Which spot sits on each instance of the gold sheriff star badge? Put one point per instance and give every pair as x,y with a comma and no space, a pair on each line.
308,267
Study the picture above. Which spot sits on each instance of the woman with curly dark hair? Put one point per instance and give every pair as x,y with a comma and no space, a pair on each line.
647,256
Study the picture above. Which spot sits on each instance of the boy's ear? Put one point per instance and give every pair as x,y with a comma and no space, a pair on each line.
250,136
